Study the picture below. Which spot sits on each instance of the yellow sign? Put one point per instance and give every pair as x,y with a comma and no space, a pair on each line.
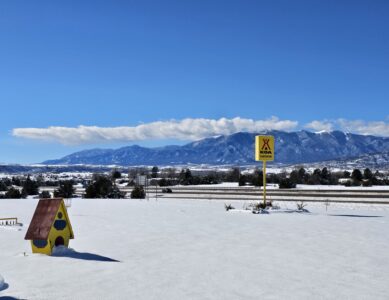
264,147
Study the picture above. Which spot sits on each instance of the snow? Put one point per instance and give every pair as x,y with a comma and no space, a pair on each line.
194,249
223,184
62,251
342,187
299,186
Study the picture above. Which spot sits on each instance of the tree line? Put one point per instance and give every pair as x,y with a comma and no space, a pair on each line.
105,186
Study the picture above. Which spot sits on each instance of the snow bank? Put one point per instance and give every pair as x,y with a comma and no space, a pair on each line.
62,251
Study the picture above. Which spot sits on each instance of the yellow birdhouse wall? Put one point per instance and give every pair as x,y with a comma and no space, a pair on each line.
58,232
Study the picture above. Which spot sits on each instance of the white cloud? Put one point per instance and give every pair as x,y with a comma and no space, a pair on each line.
320,125
379,128
187,129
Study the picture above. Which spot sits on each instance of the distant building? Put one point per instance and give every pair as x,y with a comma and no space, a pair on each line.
50,226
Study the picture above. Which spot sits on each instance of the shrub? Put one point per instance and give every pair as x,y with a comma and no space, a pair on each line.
100,187
257,178
357,175
228,207
45,194
366,183
3,186
242,180
115,174
154,172
13,193
301,205
138,193
260,205
167,190
347,183
286,183
30,187
65,190
115,193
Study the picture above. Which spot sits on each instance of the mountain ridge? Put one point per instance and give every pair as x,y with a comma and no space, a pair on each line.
238,148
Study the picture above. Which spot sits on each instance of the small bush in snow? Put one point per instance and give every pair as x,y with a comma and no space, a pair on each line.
260,205
228,207
301,206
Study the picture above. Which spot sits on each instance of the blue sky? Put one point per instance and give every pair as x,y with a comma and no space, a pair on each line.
314,64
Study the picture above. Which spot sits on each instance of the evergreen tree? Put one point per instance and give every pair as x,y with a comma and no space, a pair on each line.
116,193
138,193
303,176
242,180
233,175
91,191
346,174
257,178
357,175
65,190
45,195
315,178
3,186
102,187
294,177
367,174
186,177
154,172
16,181
115,174
30,187
286,183
325,175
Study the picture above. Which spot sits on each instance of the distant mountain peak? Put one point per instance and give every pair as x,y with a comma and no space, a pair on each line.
291,147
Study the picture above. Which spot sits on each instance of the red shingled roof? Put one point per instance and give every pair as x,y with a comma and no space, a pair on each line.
43,219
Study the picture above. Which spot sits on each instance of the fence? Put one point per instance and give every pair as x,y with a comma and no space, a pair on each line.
8,221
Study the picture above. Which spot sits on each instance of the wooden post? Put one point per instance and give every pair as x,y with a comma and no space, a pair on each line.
264,183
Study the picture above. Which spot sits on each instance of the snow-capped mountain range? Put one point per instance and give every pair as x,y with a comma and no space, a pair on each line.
238,149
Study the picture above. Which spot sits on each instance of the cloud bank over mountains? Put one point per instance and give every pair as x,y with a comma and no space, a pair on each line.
190,129
379,128
186,129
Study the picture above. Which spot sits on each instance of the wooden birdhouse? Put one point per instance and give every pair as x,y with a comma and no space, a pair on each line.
50,226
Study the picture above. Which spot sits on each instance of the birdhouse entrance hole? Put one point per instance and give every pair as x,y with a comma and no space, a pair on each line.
59,241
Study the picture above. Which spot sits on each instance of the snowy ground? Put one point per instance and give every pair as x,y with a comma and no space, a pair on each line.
192,249
299,187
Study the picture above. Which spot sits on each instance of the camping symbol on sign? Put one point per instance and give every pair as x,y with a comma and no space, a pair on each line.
264,147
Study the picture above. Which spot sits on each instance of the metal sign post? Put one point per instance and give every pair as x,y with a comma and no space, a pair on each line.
264,151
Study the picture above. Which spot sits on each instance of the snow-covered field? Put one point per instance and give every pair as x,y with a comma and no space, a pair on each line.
192,249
